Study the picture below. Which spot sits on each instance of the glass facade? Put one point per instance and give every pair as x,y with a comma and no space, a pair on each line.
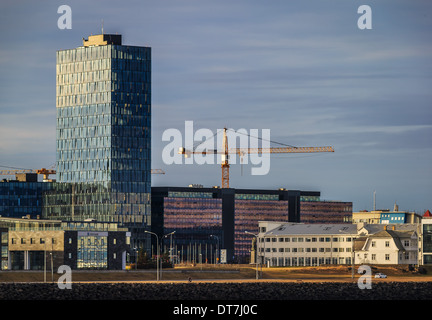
247,215
325,212
4,248
427,242
196,221
92,250
206,220
18,199
103,100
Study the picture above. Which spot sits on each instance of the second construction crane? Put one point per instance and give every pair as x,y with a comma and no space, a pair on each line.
226,151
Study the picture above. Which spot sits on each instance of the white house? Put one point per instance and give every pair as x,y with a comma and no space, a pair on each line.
389,246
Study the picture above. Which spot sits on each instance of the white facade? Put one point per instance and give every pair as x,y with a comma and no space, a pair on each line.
297,244
390,247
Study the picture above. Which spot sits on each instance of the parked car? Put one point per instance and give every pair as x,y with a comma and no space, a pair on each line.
380,275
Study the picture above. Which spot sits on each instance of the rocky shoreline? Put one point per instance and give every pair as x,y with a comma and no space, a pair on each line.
249,291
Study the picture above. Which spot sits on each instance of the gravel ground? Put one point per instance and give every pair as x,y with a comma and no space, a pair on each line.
218,291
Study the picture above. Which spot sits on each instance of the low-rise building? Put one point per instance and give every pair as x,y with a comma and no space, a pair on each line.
34,244
386,216
297,244
390,246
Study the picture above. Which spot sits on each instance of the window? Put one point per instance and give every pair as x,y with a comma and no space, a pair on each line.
23,241
373,256
406,243
42,241
387,257
70,240
387,244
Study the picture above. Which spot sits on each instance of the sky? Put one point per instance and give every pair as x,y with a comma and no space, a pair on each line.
303,70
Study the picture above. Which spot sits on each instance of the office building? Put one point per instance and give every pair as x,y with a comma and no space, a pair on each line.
426,240
321,211
386,216
37,244
298,244
103,100
208,220
23,196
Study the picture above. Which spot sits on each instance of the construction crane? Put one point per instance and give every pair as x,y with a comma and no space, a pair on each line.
225,152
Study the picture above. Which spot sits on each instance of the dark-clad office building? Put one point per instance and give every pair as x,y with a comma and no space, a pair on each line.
210,219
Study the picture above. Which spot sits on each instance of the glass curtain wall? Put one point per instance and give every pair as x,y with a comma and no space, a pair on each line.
103,98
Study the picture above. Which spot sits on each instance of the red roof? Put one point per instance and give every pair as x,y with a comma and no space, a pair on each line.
427,214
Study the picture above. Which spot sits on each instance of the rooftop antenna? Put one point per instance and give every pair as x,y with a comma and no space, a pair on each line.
102,26
374,204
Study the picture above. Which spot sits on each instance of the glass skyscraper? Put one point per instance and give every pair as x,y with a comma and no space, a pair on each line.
103,100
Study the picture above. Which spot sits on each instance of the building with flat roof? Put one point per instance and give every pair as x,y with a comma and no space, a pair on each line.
210,219
20,198
386,216
103,135
298,244
34,244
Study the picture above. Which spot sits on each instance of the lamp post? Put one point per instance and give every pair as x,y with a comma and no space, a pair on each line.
171,248
44,259
169,234
256,255
157,253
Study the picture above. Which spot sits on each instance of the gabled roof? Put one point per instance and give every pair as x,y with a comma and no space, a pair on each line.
312,229
427,214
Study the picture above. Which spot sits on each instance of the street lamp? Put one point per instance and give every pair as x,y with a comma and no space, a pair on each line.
169,234
256,255
171,247
157,253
